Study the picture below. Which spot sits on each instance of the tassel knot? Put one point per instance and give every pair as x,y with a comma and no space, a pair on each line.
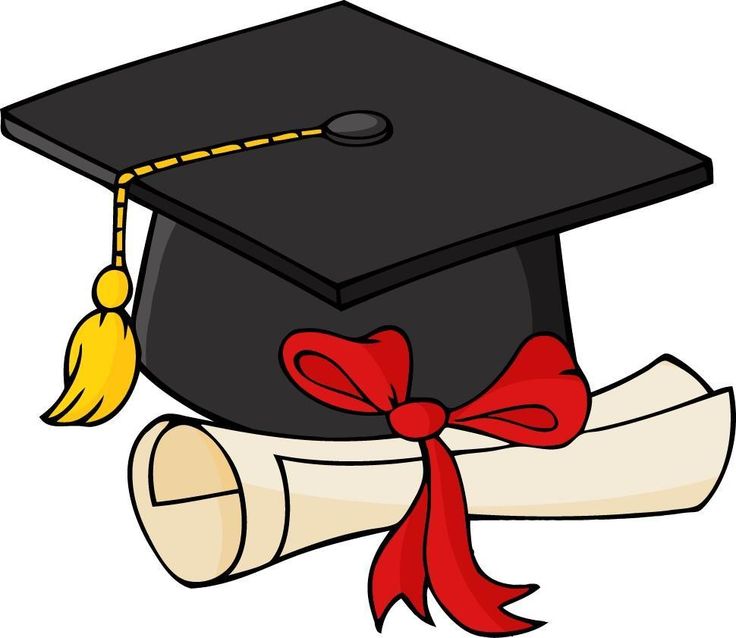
112,288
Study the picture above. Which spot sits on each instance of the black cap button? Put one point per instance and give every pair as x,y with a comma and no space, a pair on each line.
358,128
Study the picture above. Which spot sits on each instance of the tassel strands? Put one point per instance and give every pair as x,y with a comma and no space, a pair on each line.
103,355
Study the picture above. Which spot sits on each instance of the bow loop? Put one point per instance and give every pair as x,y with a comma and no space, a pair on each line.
367,375
541,399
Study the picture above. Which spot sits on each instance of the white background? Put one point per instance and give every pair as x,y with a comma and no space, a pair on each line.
72,559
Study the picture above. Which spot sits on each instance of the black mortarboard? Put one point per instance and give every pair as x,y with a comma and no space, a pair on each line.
434,205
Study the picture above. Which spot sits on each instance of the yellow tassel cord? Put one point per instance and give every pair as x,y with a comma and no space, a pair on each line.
103,356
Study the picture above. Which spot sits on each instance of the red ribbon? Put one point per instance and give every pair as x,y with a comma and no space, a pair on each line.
541,400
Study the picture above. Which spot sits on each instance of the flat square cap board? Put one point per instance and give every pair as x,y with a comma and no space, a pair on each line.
480,167
480,157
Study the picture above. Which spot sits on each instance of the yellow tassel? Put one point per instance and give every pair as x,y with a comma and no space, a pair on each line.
102,358
101,364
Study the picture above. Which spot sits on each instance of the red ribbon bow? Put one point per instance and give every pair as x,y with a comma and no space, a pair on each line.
541,400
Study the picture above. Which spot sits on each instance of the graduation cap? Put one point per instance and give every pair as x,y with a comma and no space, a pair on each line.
327,175
333,171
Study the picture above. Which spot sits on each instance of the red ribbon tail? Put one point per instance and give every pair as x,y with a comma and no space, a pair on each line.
398,571
472,599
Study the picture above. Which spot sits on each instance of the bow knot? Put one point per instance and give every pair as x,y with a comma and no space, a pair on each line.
541,399
418,420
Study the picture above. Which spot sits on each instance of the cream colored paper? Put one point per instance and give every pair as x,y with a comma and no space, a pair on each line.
216,503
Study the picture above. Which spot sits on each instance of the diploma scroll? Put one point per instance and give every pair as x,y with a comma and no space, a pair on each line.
216,502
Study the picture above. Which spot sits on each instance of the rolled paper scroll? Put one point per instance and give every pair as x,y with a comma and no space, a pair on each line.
216,502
